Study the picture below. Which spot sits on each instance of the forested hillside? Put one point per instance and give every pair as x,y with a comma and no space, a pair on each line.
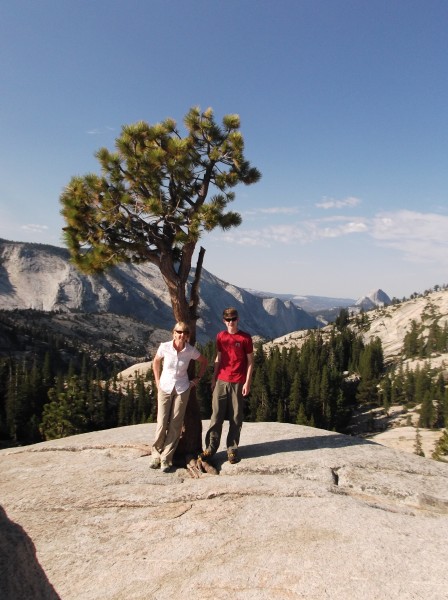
403,363
319,378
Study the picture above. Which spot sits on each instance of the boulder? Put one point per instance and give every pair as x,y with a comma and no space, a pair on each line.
306,513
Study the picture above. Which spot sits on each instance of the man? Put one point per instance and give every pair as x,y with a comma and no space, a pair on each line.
231,383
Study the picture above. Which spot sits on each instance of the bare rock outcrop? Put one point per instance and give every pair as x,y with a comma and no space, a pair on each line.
307,513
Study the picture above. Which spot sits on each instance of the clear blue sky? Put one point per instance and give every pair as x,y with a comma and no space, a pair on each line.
343,106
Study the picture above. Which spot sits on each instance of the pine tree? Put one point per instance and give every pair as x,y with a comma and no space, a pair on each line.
276,384
418,443
301,416
143,400
325,397
295,398
412,343
150,205
427,413
371,365
432,339
203,390
385,393
66,413
259,399
441,449
410,379
12,403
437,394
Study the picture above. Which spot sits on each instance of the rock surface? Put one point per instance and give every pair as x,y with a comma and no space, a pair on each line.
405,439
306,514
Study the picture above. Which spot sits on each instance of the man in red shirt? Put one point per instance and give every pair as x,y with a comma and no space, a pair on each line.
231,382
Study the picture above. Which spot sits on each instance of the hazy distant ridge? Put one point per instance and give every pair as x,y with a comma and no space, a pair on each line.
310,303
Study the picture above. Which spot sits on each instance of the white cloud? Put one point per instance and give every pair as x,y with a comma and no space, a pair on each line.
248,238
302,233
421,237
339,226
273,210
332,203
12,229
100,130
34,228
281,210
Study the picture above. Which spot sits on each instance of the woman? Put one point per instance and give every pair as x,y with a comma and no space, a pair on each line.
173,388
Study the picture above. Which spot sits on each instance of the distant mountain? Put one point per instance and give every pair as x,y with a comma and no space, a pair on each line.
318,304
311,304
326,309
375,299
41,277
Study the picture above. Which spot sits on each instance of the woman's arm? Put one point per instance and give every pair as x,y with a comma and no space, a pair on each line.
157,369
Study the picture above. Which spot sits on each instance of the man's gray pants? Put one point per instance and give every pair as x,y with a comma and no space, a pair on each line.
227,403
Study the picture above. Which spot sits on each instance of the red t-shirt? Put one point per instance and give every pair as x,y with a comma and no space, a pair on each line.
234,348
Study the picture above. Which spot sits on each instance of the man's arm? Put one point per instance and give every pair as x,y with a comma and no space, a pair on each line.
249,372
203,363
216,369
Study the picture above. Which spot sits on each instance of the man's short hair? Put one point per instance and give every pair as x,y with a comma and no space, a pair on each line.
228,313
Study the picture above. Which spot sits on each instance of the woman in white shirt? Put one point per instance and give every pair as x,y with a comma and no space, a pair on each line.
173,388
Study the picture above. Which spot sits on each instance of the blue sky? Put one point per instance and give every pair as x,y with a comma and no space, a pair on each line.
343,106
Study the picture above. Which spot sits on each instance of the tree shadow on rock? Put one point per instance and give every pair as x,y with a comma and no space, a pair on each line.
21,576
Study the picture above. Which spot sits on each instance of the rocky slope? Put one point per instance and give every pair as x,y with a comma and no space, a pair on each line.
305,514
34,276
109,340
390,324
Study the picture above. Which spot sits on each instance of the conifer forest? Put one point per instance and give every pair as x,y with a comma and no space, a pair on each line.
45,396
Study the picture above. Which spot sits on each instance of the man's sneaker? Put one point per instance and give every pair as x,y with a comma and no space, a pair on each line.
206,455
165,467
233,457
155,463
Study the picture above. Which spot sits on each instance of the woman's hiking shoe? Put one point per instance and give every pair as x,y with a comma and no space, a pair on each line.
165,467
233,457
155,463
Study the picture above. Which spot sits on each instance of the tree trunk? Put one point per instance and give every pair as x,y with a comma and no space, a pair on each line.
190,443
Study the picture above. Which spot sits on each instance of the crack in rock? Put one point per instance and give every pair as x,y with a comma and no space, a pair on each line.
335,475
146,449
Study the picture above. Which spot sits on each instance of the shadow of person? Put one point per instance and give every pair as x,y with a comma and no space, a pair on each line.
301,444
294,444
21,576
